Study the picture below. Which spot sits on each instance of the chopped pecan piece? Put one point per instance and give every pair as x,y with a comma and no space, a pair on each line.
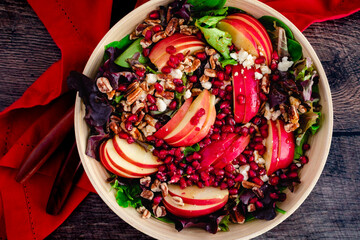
210,51
111,94
145,181
294,102
210,72
133,36
152,22
293,114
145,43
302,109
249,185
265,84
148,28
159,211
155,187
147,194
158,36
146,214
141,126
168,95
195,65
140,28
164,189
212,62
259,193
140,118
104,85
141,209
236,216
251,207
171,27
138,106
290,127
204,79
150,120
196,91
136,134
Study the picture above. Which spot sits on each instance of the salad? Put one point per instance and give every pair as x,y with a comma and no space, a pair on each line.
202,115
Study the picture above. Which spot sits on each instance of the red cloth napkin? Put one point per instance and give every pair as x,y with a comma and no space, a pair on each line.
76,27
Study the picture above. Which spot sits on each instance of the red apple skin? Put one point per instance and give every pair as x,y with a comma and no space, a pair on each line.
272,148
245,84
174,121
259,33
183,43
106,163
235,149
137,162
196,136
252,98
240,36
215,149
286,146
238,90
190,210
199,196
185,125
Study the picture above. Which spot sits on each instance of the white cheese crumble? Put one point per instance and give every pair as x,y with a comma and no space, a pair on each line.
265,69
148,130
176,73
237,73
151,78
207,85
264,178
161,105
233,55
187,94
284,65
258,75
258,159
242,55
167,101
249,61
243,170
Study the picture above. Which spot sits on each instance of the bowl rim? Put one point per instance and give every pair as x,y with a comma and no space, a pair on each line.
329,117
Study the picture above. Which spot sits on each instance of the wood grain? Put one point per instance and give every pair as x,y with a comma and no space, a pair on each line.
332,209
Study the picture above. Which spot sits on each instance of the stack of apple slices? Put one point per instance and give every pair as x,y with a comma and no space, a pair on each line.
127,160
220,153
182,129
182,44
249,34
194,201
280,147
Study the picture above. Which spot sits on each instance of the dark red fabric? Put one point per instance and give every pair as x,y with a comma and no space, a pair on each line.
76,27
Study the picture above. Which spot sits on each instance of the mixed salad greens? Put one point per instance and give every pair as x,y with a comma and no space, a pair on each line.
202,115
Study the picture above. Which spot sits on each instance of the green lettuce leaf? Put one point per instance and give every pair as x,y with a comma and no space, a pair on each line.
218,39
216,12
192,149
127,195
224,223
301,140
225,62
200,5
210,21
122,44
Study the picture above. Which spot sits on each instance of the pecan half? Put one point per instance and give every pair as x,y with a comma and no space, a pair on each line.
150,120
265,84
104,85
164,189
171,27
114,127
146,214
145,43
195,65
147,194
159,211
168,95
204,78
158,36
152,22
259,193
249,185
210,72
155,187
138,106
236,216
145,181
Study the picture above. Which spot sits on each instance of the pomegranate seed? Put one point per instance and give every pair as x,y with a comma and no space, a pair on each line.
226,111
292,175
174,59
274,196
199,35
171,64
244,131
215,91
264,133
259,204
239,178
201,56
171,49
221,93
262,171
178,82
230,121
148,35
293,167
221,116
228,69
175,179
151,99
251,129
162,168
248,152
304,159
242,159
233,191
223,186
215,136
228,88
159,88
254,166
195,164
182,183
240,99
204,176
260,60
178,153
196,156
227,129
253,200
153,108
229,168
157,199
166,69
146,52
140,73
121,88
189,170
159,142
259,146
220,75
173,105
132,118
219,172
230,182
282,197
275,56
200,184
154,14
128,126
257,121
180,89
156,28
180,56
168,159
192,79
252,173
258,181
275,77
123,135
130,140
194,177
224,104
273,66
263,97
218,83
283,176
306,147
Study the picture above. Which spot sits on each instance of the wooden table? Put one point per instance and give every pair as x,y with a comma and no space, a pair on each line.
332,211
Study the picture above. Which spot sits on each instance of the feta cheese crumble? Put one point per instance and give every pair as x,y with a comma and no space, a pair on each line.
284,65
176,73
207,85
187,94
161,105
151,78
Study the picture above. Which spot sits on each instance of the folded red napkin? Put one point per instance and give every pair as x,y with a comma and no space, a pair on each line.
76,27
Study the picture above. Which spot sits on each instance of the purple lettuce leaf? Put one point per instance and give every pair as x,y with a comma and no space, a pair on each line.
94,141
277,97
181,9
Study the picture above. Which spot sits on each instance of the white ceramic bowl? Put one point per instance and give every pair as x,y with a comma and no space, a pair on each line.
320,144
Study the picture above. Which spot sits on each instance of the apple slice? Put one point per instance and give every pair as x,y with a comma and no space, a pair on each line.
190,210
234,150
117,162
182,43
286,146
174,121
246,94
258,32
240,36
135,154
107,164
272,148
199,196
186,125
196,134
215,149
